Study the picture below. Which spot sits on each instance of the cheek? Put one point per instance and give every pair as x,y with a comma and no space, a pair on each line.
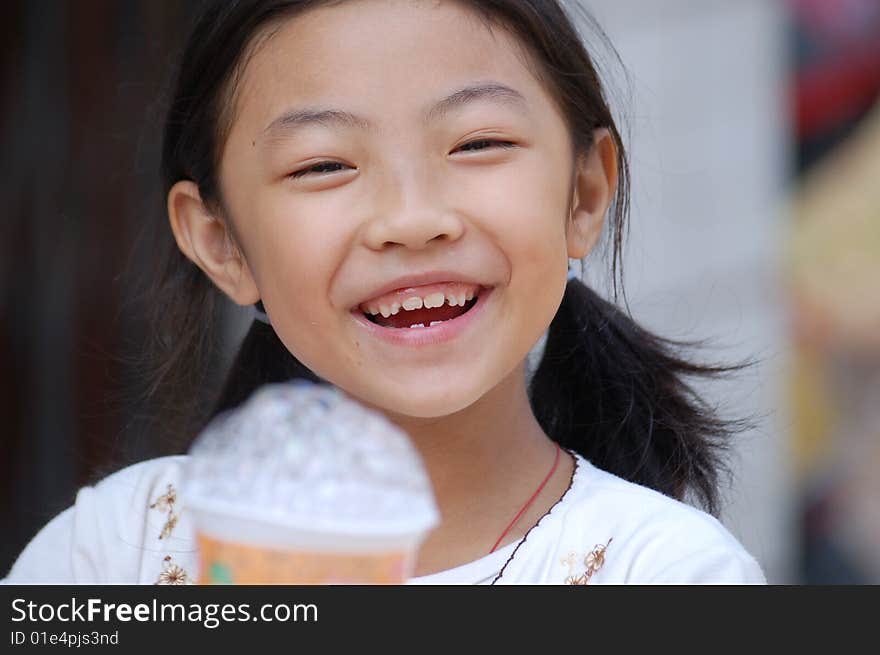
534,240
303,319
297,253
525,214
522,198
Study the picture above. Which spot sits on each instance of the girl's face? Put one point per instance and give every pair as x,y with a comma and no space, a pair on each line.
357,157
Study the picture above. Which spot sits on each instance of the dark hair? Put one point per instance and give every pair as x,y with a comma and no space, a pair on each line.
604,387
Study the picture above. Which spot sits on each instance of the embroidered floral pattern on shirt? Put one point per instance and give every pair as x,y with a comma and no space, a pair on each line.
165,503
593,561
172,573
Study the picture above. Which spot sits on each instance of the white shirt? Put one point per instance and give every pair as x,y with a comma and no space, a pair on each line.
132,527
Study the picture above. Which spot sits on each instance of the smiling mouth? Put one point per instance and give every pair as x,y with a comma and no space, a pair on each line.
422,316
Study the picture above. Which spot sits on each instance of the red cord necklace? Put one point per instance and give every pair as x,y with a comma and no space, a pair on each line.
529,501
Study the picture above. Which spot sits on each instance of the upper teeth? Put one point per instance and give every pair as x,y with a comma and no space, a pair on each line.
417,302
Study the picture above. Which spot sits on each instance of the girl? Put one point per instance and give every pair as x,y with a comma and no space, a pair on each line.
398,187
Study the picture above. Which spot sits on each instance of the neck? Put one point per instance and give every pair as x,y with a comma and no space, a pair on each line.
481,448
484,462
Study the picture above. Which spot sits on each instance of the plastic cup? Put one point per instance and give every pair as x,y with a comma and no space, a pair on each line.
303,485
242,551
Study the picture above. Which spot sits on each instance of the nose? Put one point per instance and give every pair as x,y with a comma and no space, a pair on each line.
411,214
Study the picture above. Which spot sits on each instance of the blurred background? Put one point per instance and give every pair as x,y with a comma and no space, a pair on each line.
754,133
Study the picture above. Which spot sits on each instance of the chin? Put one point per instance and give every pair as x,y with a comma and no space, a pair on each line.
421,402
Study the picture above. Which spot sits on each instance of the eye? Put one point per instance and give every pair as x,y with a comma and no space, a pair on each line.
476,146
323,167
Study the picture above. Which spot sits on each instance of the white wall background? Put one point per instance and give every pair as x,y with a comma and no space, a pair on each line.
709,151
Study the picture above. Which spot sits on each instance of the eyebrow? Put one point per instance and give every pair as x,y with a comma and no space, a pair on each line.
326,117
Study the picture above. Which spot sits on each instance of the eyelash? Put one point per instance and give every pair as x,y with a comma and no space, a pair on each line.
501,144
312,169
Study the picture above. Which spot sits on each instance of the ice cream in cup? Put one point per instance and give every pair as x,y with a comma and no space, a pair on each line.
303,485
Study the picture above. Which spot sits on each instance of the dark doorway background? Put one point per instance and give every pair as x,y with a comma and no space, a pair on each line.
83,88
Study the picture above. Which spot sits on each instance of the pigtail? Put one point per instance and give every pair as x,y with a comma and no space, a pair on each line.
619,396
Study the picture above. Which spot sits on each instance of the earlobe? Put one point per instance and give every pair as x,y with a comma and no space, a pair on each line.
594,187
206,241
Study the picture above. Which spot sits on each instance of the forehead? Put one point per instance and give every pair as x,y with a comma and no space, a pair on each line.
378,58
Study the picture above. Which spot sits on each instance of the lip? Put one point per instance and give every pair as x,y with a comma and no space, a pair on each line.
429,277
427,336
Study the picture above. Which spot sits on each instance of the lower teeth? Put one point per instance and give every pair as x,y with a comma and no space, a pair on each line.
421,325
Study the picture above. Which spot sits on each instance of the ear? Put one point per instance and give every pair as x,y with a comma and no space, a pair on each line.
206,240
594,186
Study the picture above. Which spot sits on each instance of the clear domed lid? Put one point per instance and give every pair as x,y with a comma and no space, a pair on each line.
308,456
